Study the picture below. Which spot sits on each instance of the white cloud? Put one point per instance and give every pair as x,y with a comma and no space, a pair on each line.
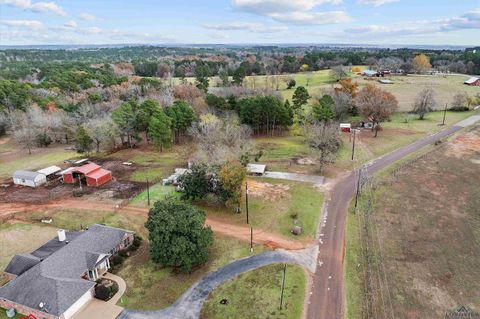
240,26
376,3
71,24
29,24
309,18
294,11
469,20
42,7
87,16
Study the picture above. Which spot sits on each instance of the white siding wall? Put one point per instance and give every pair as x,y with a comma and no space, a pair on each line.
83,301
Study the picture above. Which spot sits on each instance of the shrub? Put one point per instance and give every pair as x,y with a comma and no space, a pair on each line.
123,253
117,260
102,292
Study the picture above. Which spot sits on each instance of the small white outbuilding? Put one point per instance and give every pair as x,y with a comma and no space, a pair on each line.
28,178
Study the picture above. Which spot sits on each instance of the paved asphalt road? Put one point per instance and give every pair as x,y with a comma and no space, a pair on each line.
327,295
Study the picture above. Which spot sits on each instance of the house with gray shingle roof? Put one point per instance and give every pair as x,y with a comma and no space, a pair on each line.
58,279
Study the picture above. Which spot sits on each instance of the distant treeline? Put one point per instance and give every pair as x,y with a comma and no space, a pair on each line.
184,62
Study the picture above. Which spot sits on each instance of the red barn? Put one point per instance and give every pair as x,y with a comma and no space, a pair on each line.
92,173
473,81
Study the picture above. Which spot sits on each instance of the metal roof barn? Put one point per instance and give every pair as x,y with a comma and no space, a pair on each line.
49,170
28,178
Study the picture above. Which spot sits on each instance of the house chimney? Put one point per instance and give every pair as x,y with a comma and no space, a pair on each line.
61,235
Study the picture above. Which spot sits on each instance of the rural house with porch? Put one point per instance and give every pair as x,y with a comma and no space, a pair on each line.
58,279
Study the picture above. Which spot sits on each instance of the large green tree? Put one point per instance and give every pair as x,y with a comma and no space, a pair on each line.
125,118
202,74
323,111
160,130
182,117
300,97
178,235
83,141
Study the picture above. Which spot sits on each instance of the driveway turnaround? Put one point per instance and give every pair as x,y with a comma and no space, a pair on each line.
189,305
315,179
327,295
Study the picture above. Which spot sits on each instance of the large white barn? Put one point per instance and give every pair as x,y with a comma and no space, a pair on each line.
28,178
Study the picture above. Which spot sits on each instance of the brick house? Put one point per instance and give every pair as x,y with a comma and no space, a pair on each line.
58,279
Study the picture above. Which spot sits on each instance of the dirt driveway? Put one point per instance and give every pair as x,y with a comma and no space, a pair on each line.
16,210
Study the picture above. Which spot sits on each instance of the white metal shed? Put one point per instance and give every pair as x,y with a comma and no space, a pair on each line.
256,169
28,178
49,170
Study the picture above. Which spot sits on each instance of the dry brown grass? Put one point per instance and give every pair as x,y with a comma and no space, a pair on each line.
429,228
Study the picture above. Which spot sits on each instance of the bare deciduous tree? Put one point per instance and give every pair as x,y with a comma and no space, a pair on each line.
324,140
424,103
219,140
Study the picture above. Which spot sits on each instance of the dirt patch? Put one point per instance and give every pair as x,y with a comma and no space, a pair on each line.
465,145
267,191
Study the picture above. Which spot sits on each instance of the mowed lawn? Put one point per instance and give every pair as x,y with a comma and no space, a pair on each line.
21,238
256,294
157,192
275,206
150,286
427,226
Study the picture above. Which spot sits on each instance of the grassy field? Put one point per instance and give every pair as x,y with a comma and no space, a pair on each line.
21,238
406,88
12,158
153,287
274,205
427,230
256,294
157,192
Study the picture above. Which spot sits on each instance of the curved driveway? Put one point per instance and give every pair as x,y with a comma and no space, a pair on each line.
189,305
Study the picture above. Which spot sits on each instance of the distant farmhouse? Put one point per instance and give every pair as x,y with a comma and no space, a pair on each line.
473,81
58,279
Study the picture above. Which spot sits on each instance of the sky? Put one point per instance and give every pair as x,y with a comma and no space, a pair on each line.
382,22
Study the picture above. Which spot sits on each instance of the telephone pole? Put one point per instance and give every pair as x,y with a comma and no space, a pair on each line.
251,239
283,285
353,145
246,199
148,192
444,114
358,188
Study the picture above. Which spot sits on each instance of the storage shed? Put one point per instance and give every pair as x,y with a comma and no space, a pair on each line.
256,169
50,171
92,173
28,178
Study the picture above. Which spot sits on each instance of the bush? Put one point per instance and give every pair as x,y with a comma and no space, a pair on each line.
116,260
124,253
459,109
102,292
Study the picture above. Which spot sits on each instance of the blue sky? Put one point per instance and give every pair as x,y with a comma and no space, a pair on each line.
240,21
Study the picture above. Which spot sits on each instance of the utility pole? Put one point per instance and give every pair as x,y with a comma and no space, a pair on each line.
444,114
353,145
251,239
283,285
358,188
246,199
148,193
